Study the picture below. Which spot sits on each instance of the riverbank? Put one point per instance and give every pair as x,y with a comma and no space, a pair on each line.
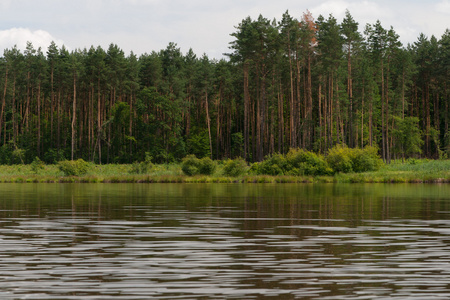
413,171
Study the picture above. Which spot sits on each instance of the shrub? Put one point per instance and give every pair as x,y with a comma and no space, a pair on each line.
302,162
37,165
207,166
345,160
191,165
274,164
235,167
73,167
367,159
142,167
18,155
340,159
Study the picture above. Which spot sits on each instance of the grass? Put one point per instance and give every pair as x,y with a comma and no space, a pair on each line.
410,171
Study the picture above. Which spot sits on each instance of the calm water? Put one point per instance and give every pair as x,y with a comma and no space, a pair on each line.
238,241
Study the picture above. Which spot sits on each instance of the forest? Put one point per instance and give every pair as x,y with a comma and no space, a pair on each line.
305,82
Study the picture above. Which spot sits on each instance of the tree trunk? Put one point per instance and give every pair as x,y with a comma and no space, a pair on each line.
309,103
208,122
27,105
388,154
74,114
370,120
58,117
246,111
52,104
362,114
39,120
319,98
446,117
14,126
403,95
428,120
218,135
383,130
3,101
262,112
280,121
99,124
350,96
291,102
130,127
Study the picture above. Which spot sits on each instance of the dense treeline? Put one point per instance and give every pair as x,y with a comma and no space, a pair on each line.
296,83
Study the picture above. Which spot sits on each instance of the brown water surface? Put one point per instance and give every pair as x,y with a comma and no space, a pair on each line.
220,241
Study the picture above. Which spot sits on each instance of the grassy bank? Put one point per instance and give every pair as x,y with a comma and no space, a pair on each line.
412,171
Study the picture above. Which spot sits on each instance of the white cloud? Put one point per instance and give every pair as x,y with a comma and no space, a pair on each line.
144,2
204,25
335,7
5,4
20,36
444,7
362,11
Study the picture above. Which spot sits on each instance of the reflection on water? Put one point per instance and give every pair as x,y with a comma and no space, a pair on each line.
178,241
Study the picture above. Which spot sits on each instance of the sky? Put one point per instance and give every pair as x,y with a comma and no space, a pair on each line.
143,26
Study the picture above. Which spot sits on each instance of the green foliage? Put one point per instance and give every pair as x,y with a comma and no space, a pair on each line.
53,156
235,167
198,144
237,141
173,104
365,160
420,165
192,166
73,167
120,114
207,166
5,155
346,160
142,167
275,164
302,162
18,155
408,136
37,165
297,162
340,159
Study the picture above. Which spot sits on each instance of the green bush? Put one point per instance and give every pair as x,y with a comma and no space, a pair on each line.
192,166
189,165
275,164
235,167
142,167
73,167
297,162
207,166
345,160
340,159
37,165
18,155
302,162
367,159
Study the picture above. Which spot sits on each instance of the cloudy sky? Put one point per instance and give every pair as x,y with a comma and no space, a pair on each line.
203,25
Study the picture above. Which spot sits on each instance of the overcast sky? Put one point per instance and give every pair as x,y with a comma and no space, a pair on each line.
203,25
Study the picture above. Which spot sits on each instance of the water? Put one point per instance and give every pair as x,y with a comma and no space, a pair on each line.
219,241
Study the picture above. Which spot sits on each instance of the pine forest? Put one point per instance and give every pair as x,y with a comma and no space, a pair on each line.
307,82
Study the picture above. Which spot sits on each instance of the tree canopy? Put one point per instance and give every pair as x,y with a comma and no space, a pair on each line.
306,82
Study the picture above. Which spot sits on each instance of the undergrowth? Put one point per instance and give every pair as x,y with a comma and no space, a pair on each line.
234,171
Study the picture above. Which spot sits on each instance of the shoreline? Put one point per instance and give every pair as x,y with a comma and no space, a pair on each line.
414,171
258,179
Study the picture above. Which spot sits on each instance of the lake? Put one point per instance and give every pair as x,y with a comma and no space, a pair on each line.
224,241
